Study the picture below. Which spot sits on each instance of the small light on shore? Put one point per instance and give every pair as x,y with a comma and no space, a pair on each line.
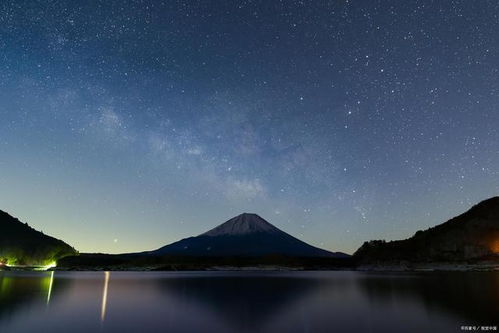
46,267
495,247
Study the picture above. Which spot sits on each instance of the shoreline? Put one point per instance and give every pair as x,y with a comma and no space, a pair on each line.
490,265
415,267
280,269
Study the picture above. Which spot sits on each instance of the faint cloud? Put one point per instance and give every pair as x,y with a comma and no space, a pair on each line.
194,151
112,125
64,99
110,120
248,140
244,189
159,144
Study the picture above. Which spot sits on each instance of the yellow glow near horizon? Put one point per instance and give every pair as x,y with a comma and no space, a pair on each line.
104,296
49,266
34,267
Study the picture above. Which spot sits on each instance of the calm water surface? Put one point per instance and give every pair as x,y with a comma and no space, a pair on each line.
246,301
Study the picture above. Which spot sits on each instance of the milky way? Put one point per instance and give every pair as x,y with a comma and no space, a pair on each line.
126,125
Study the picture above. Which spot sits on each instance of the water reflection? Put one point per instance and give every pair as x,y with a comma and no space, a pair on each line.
49,291
242,302
104,297
25,290
246,302
471,296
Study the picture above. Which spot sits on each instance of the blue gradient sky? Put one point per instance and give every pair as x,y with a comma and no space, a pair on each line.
126,125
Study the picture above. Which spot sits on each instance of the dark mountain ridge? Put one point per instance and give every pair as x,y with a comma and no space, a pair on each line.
22,245
469,236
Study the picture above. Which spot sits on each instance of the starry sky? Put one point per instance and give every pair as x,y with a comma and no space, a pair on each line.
127,125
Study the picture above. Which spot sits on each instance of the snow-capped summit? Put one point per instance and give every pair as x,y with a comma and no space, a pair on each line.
242,224
246,235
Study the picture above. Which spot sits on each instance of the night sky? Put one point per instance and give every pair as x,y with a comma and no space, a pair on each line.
127,125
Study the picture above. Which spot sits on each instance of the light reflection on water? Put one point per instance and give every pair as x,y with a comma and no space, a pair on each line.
104,296
49,289
246,301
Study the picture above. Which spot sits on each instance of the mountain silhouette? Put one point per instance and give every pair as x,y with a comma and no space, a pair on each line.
22,245
246,235
471,235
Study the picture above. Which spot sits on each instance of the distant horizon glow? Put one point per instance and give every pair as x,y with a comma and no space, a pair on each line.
129,125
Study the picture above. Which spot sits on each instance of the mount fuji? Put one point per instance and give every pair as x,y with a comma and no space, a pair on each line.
246,235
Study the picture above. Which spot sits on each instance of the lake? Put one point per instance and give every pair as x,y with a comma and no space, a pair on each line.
247,301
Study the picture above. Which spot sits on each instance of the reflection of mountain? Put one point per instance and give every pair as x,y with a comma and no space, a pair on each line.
245,302
344,300
19,291
471,296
